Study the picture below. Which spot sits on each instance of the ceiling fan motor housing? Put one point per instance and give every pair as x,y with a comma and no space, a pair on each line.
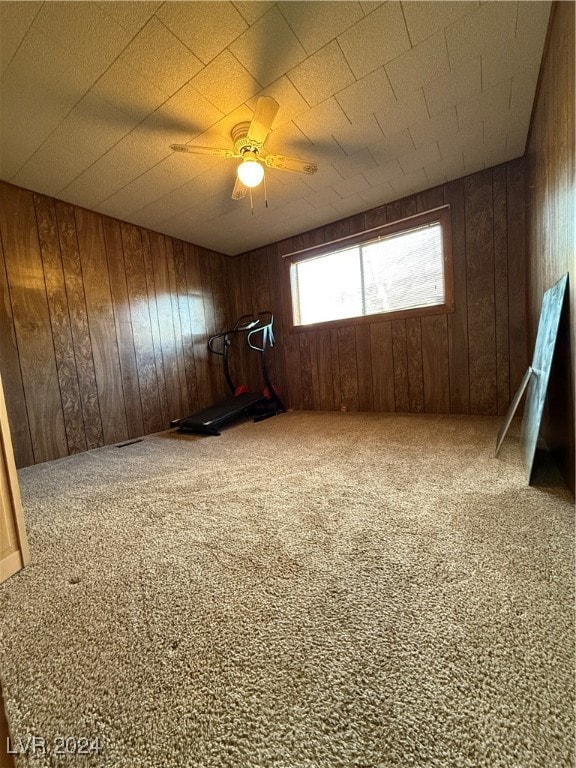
242,143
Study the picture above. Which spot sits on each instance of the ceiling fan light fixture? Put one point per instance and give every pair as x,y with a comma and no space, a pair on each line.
250,171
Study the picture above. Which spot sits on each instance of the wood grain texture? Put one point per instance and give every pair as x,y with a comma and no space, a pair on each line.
99,322
480,289
123,322
32,323
364,368
278,364
60,322
435,366
12,376
382,366
516,267
414,355
82,341
177,323
400,358
348,368
141,327
458,320
183,304
499,194
551,227
306,371
164,299
155,325
199,329
325,374
92,250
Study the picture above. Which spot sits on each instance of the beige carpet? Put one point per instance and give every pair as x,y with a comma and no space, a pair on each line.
315,591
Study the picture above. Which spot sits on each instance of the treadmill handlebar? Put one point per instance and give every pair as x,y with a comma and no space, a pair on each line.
252,326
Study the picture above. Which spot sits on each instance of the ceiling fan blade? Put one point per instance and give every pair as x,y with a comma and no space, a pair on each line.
239,190
194,149
266,110
284,163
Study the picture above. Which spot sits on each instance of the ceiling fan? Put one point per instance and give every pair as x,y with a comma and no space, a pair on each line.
249,138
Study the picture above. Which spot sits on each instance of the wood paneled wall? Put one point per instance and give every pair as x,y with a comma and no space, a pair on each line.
552,210
468,361
103,326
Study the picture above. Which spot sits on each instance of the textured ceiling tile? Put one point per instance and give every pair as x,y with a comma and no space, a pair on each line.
448,91
473,136
324,178
369,5
474,159
376,40
33,103
220,134
289,140
84,30
361,133
15,145
322,120
45,72
288,97
252,11
128,91
413,69
398,115
419,158
486,106
351,204
269,48
161,58
323,197
532,23
506,61
206,27
426,18
15,20
410,183
136,154
355,164
130,15
92,127
323,74
38,175
315,24
384,173
181,118
516,141
523,87
442,125
378,195
351,186
367,95
474,34
225,82
97,183
451,166
393,146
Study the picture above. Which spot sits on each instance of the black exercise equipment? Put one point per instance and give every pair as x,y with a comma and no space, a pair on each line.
255,404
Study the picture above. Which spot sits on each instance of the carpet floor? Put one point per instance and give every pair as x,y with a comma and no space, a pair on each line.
314,591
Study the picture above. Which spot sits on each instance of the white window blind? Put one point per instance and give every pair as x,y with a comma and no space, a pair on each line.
400,271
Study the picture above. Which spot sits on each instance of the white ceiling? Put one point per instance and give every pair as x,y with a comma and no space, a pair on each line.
388,98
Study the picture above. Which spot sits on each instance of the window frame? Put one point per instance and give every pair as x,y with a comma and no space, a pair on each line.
442,215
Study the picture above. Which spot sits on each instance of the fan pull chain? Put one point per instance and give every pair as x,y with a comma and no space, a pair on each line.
251,201
265,192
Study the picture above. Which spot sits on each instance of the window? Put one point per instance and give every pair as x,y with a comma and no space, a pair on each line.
402,268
